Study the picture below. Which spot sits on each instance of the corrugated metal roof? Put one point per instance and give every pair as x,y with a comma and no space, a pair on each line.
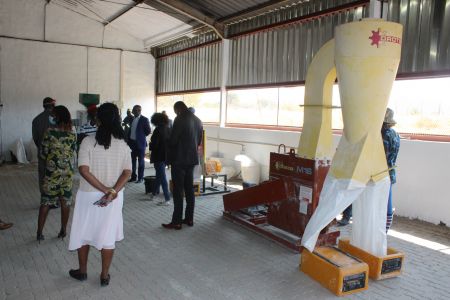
220,8
148,23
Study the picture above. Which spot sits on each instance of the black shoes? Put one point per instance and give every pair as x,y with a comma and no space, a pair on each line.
188,223
78,275
62,234
172,226
104,281
139,181
132,179
5,225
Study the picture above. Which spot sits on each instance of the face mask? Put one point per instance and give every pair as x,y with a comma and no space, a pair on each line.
51,120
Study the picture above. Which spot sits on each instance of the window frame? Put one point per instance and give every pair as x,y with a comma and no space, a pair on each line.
182,93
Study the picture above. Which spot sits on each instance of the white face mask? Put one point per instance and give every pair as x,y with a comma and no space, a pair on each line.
52,120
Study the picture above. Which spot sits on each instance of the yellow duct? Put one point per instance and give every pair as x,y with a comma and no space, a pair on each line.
316,141
366,55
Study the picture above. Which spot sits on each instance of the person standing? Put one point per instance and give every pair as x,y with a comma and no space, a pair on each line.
140,129
391,142
104,163
90,127
158,154
185,138
126,124
40,125
57,151
170,120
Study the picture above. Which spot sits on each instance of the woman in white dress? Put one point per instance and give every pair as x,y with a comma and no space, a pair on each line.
104,162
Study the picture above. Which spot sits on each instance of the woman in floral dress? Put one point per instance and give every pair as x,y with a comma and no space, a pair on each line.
58,149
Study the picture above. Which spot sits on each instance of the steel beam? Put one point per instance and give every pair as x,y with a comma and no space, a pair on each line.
187,10
257,10
124,11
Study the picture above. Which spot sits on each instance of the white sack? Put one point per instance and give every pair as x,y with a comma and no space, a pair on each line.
369,212
336,196
369,218
19,151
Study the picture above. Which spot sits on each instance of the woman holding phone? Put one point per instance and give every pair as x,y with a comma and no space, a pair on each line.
104,162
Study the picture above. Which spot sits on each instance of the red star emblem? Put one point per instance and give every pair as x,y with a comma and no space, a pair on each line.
376,37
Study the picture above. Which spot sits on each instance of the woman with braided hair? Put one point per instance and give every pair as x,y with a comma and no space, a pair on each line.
104,162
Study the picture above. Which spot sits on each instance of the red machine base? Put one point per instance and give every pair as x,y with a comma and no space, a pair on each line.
259,224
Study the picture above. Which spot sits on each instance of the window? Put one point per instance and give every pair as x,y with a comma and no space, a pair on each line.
207,105
273,106
422,106
290,113
255,106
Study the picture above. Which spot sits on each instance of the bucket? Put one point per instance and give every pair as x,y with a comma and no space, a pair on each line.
149,182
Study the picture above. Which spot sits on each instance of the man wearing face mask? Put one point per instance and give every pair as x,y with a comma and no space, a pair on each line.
40,125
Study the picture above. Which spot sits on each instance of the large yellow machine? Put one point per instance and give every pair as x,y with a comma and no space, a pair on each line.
364,56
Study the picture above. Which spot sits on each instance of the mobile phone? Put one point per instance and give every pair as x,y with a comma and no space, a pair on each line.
101,202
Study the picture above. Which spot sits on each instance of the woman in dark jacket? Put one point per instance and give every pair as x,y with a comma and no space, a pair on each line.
158,154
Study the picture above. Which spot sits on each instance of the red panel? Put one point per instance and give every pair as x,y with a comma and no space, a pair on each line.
264,193
296,172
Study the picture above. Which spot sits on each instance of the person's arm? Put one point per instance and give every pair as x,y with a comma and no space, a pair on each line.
92,180
175,132
200,133
35,133
153,140
123,178
45,146
147,129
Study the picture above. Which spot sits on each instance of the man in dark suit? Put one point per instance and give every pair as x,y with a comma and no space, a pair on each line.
185,138
137,140
40,125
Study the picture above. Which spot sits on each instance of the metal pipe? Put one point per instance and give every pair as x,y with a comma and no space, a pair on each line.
242,143
64,43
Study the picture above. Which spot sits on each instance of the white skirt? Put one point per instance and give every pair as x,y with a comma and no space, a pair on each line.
96,226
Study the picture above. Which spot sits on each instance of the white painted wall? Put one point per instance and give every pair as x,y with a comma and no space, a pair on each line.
33,19
139,87
30,71
33,69
22,18
422,174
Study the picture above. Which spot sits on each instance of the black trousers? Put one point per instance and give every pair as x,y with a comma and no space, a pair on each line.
137,154
183,180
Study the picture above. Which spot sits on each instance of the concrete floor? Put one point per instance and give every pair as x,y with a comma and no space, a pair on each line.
213,260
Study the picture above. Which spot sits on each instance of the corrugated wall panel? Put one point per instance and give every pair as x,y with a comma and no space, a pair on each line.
426,34
283,54
194,69
175,46
288,12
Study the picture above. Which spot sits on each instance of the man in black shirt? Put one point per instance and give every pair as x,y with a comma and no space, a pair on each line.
185,138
